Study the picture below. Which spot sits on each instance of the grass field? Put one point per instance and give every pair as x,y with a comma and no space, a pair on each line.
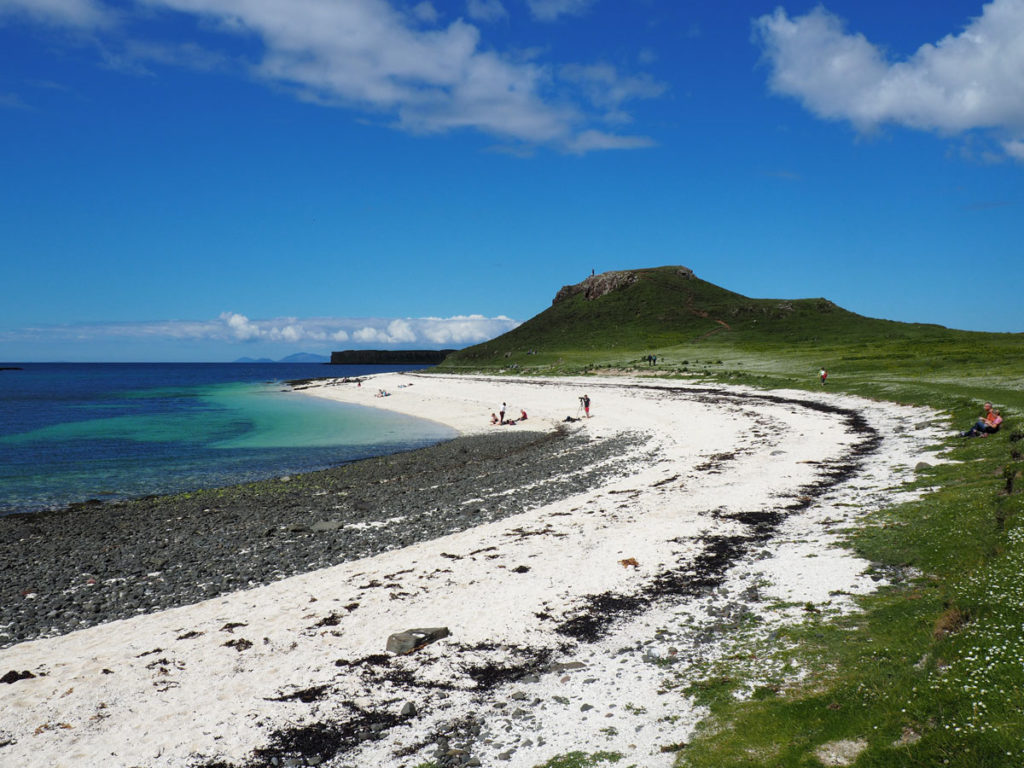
931,671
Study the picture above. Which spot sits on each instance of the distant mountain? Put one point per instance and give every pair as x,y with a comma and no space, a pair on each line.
305,357
298,357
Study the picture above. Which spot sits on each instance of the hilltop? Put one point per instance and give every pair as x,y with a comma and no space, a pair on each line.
621,316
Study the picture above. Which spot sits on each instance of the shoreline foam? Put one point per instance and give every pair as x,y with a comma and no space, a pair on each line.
559,642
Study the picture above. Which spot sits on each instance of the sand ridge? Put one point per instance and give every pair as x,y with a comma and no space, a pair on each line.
573,625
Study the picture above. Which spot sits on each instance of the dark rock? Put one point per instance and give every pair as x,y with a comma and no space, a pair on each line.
13,676
413,639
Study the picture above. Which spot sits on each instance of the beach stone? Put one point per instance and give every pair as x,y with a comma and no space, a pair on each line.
326,526
921,466
409,710
156,553
13,676
414,639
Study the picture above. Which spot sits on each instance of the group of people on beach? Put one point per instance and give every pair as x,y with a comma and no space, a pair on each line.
987,424
500,417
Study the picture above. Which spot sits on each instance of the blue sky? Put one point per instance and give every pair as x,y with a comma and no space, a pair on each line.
207,179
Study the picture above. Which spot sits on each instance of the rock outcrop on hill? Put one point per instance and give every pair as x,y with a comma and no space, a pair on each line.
596,286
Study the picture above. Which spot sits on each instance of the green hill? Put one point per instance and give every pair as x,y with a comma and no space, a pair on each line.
617,318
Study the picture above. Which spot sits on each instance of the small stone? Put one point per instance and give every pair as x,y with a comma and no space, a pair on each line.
413,639
409,710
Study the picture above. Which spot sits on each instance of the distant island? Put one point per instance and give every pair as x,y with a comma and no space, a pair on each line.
389,356
299,357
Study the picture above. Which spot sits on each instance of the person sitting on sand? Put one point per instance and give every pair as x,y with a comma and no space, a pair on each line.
987,424
522,415
494,418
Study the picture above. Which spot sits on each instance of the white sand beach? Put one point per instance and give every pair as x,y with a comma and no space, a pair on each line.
667,562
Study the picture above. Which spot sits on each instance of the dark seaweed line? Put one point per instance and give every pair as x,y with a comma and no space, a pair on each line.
708,570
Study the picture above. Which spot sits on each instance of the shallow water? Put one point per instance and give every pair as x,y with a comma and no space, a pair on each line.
70,432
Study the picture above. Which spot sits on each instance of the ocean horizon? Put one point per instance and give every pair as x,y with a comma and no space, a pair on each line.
72,432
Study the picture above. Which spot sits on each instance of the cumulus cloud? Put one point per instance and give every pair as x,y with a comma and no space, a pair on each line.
380,57
966,81
425,12
234,327
549,10
83,14
1014,149
369,55
486,10
606,88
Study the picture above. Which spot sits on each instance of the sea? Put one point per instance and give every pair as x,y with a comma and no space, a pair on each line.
71,432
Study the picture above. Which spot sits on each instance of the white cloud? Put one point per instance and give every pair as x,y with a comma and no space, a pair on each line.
608,90
1014,149
83,14
549,10
972,80
236,328
588,141
368,55
425,12
486,10
376,56
239,326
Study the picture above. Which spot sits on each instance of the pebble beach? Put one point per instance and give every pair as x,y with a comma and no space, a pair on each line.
582,569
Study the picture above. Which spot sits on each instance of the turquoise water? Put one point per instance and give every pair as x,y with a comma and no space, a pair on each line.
75,432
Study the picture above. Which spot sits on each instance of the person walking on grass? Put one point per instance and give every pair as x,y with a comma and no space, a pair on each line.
824,375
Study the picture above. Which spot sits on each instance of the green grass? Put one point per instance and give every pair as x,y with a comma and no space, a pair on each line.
930,672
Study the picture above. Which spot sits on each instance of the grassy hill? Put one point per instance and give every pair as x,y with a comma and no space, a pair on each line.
667,306
617,318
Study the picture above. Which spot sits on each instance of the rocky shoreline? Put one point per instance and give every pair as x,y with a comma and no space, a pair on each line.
92,563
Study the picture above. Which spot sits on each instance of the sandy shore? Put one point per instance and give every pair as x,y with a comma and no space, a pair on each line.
573,626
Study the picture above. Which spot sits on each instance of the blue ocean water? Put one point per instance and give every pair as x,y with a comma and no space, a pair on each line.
71,432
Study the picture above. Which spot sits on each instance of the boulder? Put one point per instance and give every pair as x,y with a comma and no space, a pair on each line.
413,639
